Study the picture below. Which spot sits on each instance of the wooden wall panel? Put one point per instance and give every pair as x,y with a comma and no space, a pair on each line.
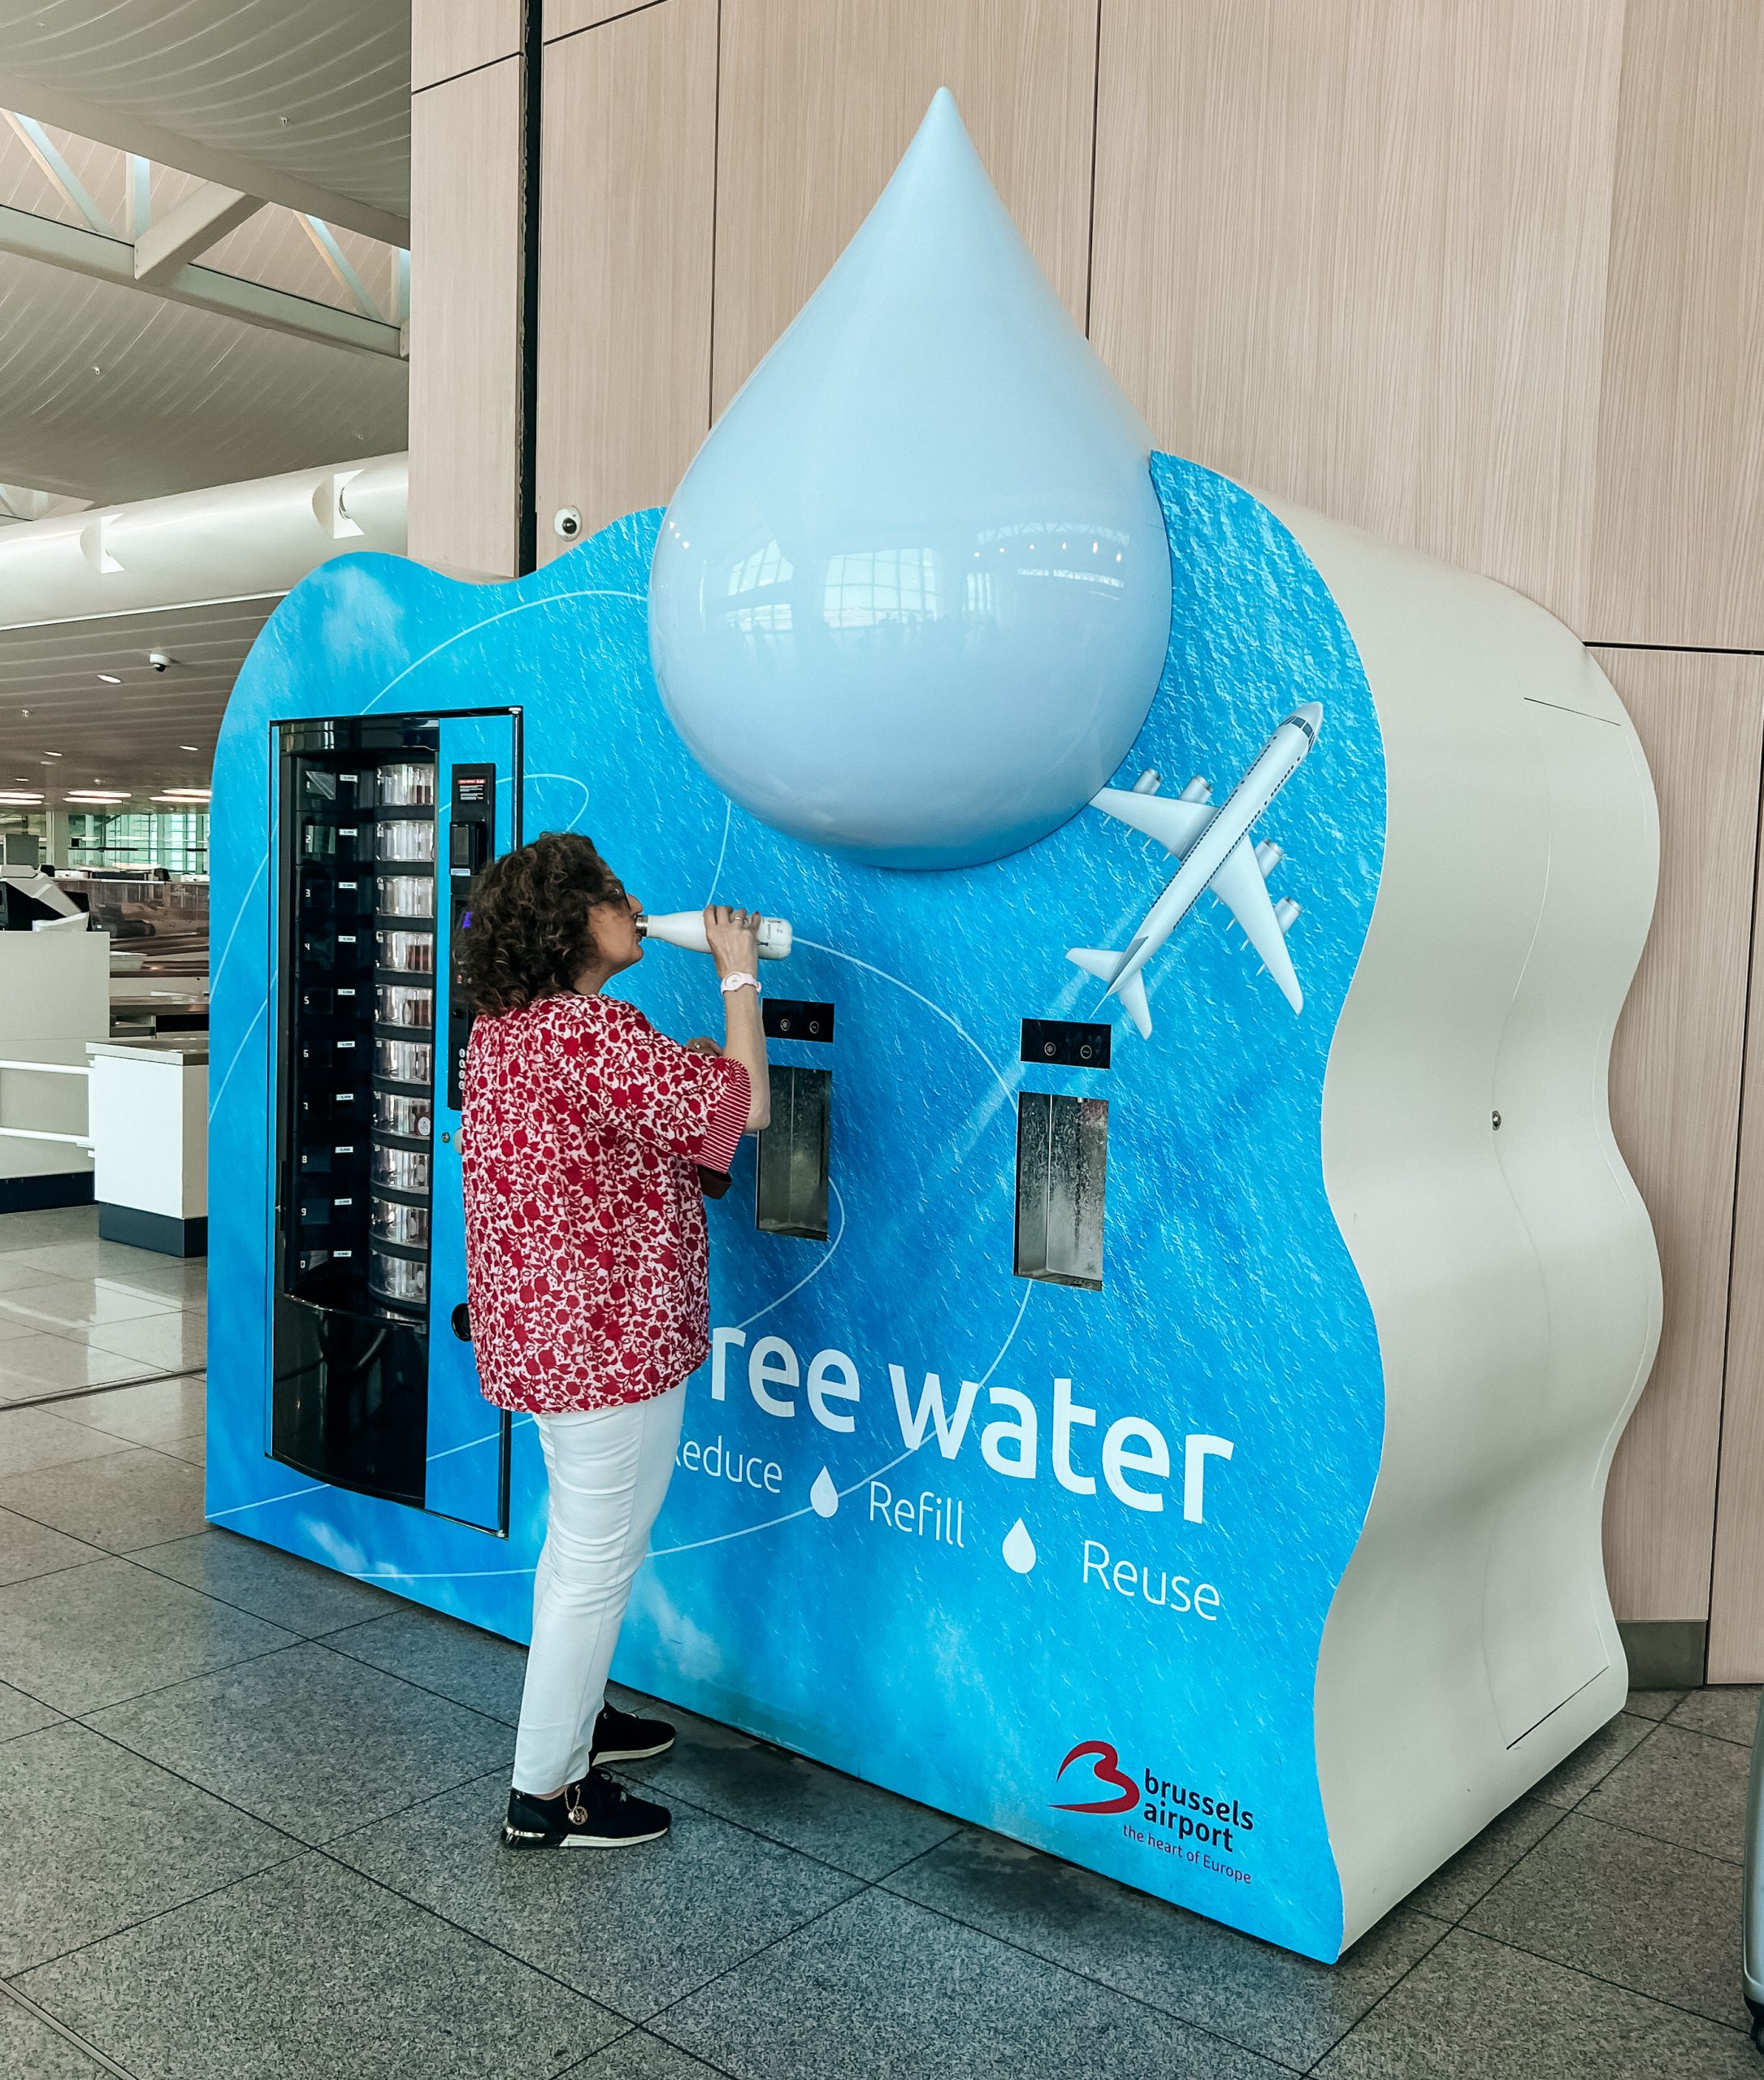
1674,1099
1736,1604
1353,252
466,321
565,17
1678,541
820,98
626,214
451,37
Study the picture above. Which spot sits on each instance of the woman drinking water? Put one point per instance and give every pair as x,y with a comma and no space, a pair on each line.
583,1129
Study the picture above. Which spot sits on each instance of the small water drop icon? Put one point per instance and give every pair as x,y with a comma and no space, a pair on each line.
1019,1548
824,1497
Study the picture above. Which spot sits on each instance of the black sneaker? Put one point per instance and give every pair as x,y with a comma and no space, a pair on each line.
597,1814
622,1737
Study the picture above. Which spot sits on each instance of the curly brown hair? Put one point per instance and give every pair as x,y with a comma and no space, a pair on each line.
528,933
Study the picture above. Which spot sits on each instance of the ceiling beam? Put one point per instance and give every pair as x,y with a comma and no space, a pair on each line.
199,221
250,176
56,170
104,259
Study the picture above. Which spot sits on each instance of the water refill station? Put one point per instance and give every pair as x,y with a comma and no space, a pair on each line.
1170,1343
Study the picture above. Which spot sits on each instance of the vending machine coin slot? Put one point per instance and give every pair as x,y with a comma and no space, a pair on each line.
471,840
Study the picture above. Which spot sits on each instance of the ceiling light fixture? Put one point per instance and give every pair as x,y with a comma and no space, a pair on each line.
195,747
109,679
13,799
184,794
52,754
85,796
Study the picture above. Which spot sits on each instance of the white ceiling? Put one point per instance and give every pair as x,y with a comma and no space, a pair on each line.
309,92
126,735
110,394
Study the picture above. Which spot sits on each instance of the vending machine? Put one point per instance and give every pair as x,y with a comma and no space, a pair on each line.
379,824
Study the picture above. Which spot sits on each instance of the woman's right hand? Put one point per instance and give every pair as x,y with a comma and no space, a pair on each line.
734,938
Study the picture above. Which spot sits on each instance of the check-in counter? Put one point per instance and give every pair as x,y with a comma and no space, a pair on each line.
148,1111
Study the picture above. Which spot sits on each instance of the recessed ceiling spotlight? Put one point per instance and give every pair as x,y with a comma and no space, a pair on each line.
109,678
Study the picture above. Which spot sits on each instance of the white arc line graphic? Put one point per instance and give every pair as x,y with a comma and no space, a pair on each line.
771,1523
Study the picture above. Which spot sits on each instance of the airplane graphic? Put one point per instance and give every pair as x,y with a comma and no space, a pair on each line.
1212,841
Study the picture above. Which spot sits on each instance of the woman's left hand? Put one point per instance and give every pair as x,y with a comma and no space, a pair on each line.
700,1045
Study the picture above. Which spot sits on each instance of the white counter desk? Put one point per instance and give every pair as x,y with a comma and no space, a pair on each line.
148,1109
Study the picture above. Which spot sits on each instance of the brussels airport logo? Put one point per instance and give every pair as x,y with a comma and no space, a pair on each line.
1106,1768
1178,1820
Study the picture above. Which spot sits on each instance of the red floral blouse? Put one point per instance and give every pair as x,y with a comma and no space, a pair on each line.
586,1254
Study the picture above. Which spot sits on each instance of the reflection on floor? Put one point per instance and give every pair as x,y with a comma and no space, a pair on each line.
249,1809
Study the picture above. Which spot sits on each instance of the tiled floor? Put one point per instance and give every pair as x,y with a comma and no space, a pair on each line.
76,1312
247,1828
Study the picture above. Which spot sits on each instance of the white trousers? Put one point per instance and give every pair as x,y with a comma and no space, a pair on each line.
608,1470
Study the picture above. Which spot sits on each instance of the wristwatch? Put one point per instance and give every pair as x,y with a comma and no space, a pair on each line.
741,982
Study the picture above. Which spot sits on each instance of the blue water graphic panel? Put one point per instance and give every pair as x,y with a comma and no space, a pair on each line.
1167,1624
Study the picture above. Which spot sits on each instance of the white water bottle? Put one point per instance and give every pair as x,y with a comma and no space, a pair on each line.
686,928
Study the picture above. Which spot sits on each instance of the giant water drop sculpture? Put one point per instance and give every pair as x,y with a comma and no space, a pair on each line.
912,600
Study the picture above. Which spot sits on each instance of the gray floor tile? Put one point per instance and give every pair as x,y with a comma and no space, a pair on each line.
20,1713
27,1549
160,1342
279,1586
33,1438
182,1279
1648,1915
1283,2006
192,1450
1479,1867
1651,1704
880,1986
1679,1787
55,1305
91,1256
96,1838
1476,2010
157,1412
44,1362
18,1273
11,1327
853,1824
307,1972
310,1741
1592,1760
130,1497
90,1635
1729,1712
31,2050
440,1654
633,1928
47,1226
638,2055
